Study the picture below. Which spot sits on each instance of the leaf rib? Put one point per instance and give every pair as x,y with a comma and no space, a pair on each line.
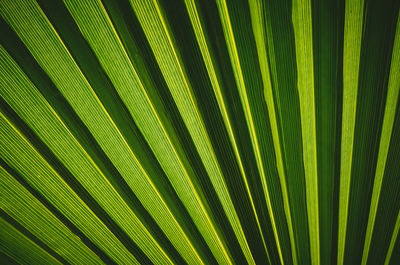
21,155
20,248
304,56
260,35
393,240
230,40
139,97
354,10
22,206
387,126
68,150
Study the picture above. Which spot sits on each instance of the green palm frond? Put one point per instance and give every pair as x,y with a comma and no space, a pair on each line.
200,132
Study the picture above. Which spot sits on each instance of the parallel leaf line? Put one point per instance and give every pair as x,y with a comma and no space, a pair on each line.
351,61
225,198
224,195
57,191
20,248
393,240
22,206
160,124
387,126
258,24
200,35
36,8
230,39
272,106
301,16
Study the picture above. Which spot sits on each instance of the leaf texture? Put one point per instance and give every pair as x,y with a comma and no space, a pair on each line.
199,132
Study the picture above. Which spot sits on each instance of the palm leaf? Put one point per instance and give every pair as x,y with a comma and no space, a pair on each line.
199,132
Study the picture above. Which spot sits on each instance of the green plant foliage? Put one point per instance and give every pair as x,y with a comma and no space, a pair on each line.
200,132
